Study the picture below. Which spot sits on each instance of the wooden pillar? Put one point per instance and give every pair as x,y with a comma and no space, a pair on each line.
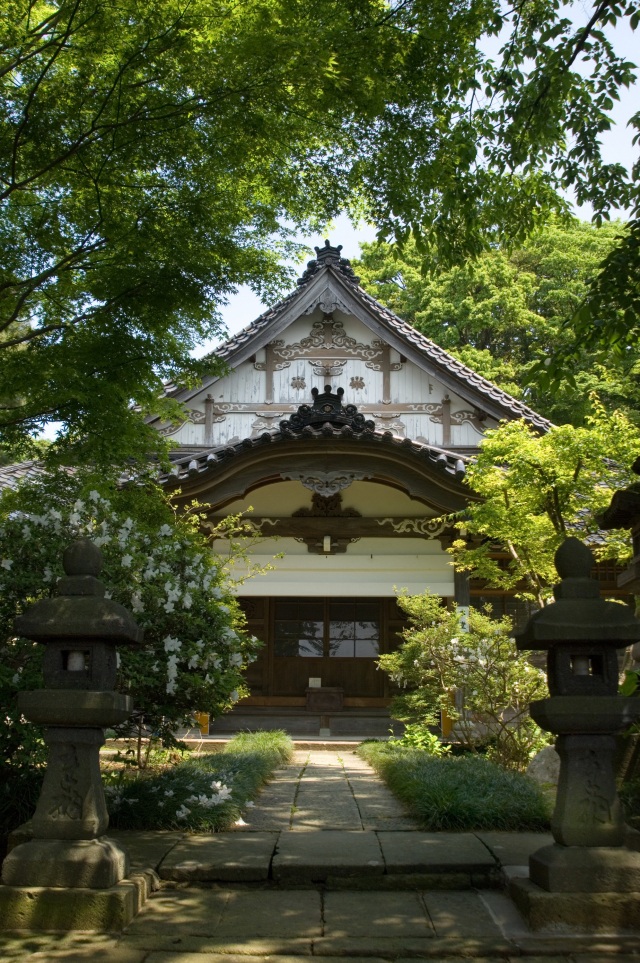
208,421
446,421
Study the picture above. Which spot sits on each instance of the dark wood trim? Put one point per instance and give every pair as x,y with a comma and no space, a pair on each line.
310,527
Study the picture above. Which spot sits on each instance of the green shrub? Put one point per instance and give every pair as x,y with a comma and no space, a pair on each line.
203,792
444,653
458,793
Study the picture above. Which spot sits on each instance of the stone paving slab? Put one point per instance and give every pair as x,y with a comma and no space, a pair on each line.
379,808
375,915
88,954
222,856
181,912
273,807
146,849
330,853
187,957
271,914
434,852
416,947
513,849
256,947
461,915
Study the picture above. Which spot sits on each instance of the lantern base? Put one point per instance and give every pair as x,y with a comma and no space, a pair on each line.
585,869
576,912
50,909
77,864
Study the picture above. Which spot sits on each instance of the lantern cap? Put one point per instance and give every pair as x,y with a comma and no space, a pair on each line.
578,614
80,611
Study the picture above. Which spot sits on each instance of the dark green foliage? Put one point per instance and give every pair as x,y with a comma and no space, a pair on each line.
507,313
458,794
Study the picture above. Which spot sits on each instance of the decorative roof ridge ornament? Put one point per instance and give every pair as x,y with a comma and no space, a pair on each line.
329,256
327,408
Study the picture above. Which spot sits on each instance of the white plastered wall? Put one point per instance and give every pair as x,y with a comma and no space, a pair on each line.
371,567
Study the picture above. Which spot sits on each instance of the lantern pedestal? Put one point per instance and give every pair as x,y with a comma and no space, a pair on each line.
76,863
70,875
587,880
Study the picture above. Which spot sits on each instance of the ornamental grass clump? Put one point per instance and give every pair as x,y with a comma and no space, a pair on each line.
202,793
458,794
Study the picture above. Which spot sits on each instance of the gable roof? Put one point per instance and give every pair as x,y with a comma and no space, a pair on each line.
330,283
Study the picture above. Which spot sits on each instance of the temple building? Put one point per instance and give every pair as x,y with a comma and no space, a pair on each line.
348,434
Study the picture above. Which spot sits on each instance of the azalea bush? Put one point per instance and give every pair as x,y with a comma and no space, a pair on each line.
158,565
471,670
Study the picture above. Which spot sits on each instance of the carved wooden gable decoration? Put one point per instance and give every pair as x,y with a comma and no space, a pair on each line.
330,332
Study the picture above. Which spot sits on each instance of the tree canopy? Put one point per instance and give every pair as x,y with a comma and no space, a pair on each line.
504,314
153,156
535,491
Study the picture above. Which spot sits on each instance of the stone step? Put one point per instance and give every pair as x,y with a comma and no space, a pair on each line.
373,860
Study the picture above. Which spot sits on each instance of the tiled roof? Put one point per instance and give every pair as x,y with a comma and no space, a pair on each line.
12,475
199,462
329,260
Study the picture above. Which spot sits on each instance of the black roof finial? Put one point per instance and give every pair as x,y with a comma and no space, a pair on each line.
329,256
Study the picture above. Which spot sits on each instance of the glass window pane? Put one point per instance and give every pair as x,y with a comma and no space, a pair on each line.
366,648
367,630
341,648
298,638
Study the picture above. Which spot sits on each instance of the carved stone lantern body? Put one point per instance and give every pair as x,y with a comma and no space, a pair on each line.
80,629
581,634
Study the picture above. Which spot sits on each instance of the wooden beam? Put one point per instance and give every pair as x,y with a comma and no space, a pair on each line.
338,526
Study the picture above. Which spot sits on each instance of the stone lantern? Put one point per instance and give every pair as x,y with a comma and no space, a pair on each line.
80,629
581,634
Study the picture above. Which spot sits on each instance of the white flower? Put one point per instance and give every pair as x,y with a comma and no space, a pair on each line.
187,600
26,532
183,812
172,666
75,518
193,661
168,606
94,496
127,560
168,792
78,505
165,530
234,696
225,609
6,563
48,574
236,659
136,602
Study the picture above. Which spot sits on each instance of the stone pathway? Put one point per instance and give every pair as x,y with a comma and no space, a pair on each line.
326,864
323,790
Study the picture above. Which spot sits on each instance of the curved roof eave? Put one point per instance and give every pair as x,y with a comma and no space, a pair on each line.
412,465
